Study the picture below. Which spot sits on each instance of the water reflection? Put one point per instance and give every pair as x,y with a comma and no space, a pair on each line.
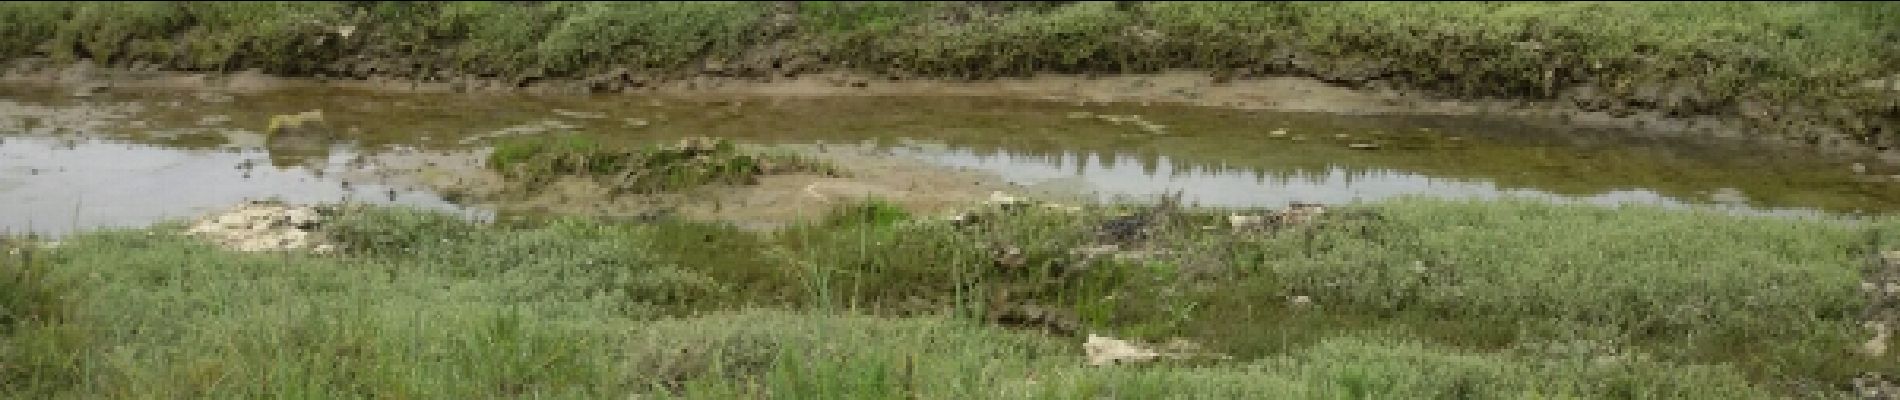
1141,177
54,185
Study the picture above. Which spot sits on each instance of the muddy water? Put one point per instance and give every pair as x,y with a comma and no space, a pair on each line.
126,158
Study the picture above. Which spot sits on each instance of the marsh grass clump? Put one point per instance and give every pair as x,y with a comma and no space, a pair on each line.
29,294
370,230
534,162
1680,286
870,212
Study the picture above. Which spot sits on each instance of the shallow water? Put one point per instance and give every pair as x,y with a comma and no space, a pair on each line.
128,158
56,185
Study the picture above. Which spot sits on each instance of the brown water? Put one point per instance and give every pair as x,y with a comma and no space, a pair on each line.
129,158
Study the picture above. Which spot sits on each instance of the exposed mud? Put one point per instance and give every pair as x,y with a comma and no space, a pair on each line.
776,200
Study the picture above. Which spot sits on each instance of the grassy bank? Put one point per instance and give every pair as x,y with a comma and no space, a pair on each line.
1412,298
1786,67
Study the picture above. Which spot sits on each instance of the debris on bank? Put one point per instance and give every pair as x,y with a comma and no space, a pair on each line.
1882,314
1296,213
1874,386
1000,204
1104,350
265,226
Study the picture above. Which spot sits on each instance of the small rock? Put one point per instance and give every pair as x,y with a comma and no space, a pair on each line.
1081,114
1277,132
1300,301
1363,146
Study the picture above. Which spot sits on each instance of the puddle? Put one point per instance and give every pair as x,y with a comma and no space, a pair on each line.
129,157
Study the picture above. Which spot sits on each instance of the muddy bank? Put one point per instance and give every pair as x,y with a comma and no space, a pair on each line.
1760,69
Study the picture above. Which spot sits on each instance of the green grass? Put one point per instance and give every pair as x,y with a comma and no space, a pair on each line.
37,344
1516,299
1778,297
1785,63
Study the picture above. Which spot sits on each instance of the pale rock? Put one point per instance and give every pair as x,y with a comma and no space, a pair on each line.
1103,350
